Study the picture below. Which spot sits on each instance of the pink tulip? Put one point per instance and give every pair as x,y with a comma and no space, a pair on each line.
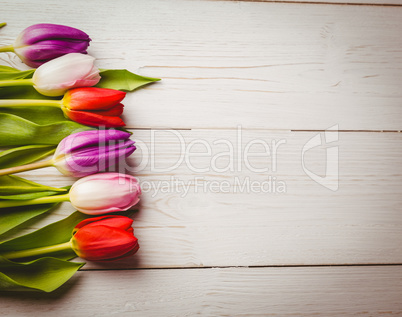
95,194
103,193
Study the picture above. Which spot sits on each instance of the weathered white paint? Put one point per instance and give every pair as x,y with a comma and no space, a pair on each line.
235,218
259,65
336,2
308,291
268,68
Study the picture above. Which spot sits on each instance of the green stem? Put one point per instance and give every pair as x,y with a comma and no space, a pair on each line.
16,82
37,201
29,103
7,48
2,24
27,167
37,251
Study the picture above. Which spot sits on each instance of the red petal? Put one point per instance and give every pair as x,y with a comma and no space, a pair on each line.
115,221
100,243
92,98
94,119
116,111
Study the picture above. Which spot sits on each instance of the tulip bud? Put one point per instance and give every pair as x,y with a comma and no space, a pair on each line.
104,193
84,153
94,106
89,152
40,43
104,238
93,195
86,105
57,76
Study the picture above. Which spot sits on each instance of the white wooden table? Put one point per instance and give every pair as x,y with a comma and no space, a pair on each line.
269,154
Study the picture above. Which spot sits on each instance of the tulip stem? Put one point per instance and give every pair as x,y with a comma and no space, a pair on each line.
6,48
16,82
37,251
36,201
29,102
27,167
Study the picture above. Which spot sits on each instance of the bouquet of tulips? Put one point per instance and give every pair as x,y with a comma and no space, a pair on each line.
68,109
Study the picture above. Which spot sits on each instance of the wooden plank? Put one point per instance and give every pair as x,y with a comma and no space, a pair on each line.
319,291
192,218
334,2
259,65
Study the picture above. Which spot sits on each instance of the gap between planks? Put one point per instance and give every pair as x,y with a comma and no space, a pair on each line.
259,129
246,266
321,3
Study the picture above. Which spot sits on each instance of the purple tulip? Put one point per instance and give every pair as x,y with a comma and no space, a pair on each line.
89,152
85,153
40,43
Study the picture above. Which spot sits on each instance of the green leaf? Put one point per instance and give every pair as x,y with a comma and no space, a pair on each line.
16,131
45,274
14,185
30,195
55,233
38,115
24,155
21,92
7,73
122,79
13,217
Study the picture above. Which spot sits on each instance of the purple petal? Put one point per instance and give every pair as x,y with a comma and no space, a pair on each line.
94,159
79,166
85,139
89,158
45,51
46,31
107,149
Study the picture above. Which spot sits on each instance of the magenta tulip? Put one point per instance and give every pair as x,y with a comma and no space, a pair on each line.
40,43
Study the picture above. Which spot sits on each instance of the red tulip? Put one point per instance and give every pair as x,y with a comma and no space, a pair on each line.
104,238
94,106
87,105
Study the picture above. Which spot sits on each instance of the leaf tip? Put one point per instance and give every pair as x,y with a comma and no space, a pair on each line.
151,79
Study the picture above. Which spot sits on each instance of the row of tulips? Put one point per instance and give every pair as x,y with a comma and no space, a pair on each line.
86,105
64,69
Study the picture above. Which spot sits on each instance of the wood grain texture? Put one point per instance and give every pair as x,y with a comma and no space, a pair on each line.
319,291
189,218
259,65
333,2
244,77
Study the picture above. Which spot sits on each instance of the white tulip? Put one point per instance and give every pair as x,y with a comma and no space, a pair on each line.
73,70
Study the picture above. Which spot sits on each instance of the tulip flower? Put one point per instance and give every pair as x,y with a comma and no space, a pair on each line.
57,76
84,153
96,194
104,193
104,238
87,105
40,43
94,106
